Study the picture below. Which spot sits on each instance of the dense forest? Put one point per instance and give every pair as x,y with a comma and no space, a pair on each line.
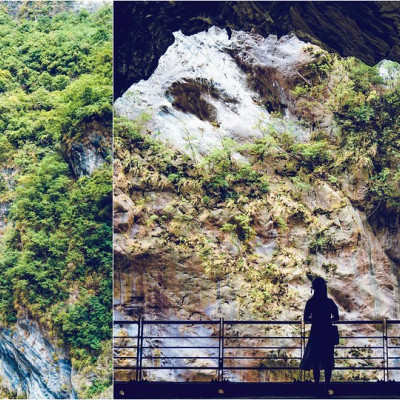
55,101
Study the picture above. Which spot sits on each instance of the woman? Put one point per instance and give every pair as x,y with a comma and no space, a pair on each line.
321,311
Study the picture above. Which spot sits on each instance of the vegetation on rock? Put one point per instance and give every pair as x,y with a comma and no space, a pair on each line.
55,260
229,204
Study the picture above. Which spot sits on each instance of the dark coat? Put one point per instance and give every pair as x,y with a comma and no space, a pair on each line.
319,352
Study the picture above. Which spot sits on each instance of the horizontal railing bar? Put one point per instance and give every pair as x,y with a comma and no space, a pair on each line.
259,337
262,322
174,367
247,347
245,337
260,358
361,322
357,347
215,358
178,337
180,347
244,358
163,322
256,368
297,368
241,358
258,322
183,322
130,357
125,337
179,358
212,337
358,358
255,337
261,347
360,337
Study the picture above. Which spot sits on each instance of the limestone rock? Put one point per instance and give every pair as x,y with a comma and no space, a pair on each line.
90,151
31,365
145,30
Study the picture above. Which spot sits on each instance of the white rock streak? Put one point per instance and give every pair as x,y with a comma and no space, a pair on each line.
204,55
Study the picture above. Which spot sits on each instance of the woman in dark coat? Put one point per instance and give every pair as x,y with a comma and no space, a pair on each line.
321,311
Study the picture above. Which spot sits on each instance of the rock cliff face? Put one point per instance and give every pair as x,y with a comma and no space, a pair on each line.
238,82
90,151
31,365
180,252
144,30
7,182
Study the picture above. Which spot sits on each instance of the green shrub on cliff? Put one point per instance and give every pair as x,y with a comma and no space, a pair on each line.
365,104
55,259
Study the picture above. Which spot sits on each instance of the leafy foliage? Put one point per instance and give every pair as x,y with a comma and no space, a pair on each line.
365,104
55,261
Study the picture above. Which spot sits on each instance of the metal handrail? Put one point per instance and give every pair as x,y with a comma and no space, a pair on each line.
224,345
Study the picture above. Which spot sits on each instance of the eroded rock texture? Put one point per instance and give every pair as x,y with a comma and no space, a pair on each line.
89,151
144,30
186,250
32,366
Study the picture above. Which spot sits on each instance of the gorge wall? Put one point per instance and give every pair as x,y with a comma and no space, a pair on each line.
33,364
55,199
237,180
144,31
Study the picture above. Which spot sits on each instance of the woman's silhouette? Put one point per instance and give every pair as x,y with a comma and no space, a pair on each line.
321,311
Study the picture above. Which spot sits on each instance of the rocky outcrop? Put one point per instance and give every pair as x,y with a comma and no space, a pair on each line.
7,184
369,31
89,152
160,273
387,228
4,211
183,252
243,79
31,366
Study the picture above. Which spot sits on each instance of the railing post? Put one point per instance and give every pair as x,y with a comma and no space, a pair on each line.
302,347
385,350
139,327
221,350
140,354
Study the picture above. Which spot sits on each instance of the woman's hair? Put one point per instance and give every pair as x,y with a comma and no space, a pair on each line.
320,288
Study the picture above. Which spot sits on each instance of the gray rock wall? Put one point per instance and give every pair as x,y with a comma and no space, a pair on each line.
31,366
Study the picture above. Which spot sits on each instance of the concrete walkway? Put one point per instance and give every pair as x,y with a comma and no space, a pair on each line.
231,390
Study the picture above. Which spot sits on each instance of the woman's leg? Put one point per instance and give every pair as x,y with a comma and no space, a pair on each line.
328,374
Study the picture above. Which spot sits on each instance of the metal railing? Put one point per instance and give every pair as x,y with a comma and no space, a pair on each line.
219,348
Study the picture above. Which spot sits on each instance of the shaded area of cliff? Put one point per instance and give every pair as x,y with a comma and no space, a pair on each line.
369,31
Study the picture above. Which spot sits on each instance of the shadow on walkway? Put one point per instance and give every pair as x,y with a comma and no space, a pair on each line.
224,390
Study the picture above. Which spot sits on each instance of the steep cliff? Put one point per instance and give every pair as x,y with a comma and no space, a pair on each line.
247,165
55,200
144,30
32,365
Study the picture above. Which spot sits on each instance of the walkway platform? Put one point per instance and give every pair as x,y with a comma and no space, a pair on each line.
232,390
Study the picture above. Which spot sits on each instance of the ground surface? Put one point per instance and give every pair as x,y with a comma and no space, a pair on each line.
225,390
